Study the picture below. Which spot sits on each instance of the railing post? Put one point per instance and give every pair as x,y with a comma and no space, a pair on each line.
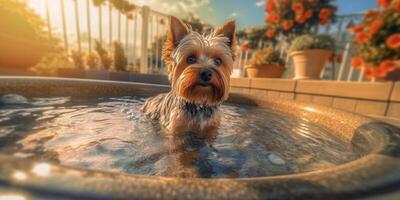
134,39
361,75
345,61
48,18
64,25
78,31
110,31
119,26
150,62
157,46
100,26
241,71
143,48
126,33
89,30
350,74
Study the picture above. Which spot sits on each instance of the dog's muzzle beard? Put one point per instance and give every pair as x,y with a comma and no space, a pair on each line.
192,89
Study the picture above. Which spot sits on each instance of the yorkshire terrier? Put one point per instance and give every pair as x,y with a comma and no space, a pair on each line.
199,67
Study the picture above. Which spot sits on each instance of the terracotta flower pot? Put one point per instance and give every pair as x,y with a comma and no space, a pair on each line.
265,71
308,64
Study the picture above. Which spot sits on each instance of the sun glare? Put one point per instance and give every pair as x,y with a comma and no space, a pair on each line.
42,169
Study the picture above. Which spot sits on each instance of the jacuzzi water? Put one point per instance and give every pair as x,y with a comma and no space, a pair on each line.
111,134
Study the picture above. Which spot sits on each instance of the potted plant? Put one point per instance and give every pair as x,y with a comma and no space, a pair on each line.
52,64
120,64
309,53
93,60
78,58
265,63
104,60
377,42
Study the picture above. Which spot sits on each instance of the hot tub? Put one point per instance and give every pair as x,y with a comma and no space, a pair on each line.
86,139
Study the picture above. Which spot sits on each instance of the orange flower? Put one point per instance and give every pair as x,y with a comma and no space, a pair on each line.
133,7
301,19
325,13
357,62
362,37
371,13
287,24
270,33
393,41
378,72
388,65
369,73
130,16
298,8
396,6
324,21
383,3
162,21
375,26
245,46
276,19
356,28
273,18
270,6
308,13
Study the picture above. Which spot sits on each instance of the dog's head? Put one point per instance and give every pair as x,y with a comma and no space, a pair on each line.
199,66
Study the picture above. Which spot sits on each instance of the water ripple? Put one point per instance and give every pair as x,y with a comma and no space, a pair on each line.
111,134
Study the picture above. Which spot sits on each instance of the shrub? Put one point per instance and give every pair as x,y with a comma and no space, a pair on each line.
50,63
106,60
310,41
255,36
266,56
120,60
23,36
105,57
78,58
92,60
377,40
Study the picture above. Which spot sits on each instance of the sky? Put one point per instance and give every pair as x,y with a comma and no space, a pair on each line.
247,12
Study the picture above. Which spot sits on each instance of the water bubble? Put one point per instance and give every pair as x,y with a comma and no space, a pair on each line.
275,159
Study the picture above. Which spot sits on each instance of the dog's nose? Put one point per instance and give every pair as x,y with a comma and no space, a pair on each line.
206,75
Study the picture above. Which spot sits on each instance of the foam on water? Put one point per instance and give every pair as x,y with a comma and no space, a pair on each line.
112,134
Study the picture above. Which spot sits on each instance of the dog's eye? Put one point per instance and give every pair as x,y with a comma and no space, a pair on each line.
218,61
191,59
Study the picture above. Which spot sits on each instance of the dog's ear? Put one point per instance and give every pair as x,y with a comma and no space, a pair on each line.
228,30
177,31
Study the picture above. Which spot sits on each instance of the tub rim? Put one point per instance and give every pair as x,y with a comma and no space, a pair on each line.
373,174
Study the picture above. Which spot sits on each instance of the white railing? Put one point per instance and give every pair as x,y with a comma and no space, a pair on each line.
145,35
141,34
